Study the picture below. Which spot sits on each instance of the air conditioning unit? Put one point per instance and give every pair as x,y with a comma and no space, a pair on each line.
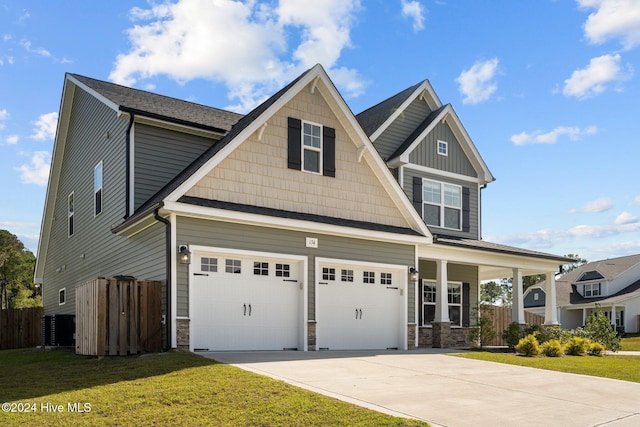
59,330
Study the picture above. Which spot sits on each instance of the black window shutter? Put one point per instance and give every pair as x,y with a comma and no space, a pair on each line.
466,209
466,305
417,194
328,151
295,143
420,303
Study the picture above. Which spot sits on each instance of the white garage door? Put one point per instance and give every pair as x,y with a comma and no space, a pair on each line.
359,307
240,302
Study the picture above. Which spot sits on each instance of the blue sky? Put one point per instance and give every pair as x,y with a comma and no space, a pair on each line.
548,90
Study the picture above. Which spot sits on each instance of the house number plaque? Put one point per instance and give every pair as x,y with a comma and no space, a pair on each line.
312,242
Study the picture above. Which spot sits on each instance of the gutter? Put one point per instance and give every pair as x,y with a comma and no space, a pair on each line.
134,111
167,224
127,191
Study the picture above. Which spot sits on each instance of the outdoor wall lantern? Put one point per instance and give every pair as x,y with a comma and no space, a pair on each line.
185,254
414,274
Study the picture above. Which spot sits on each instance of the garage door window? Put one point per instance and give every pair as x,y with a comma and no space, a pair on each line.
328,273
385,279
283,270
209,264
369,277
233,266
346,275
260,268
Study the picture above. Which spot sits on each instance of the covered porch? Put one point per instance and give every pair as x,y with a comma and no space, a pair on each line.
448,291
614,311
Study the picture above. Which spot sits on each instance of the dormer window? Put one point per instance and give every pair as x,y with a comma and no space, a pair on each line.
591,290
443,148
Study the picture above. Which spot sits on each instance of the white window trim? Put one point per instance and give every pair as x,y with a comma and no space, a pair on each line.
95,190
592,285
63,292
304,147
442,205
434,284
71,214
446,148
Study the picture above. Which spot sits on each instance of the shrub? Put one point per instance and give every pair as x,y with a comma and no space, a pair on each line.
554,333
528,346
602,331
577,346
532,329
512,335
483,333
552,348
596,349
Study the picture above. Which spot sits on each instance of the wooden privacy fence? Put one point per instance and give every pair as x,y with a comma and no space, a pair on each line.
20,328
502,318
118,317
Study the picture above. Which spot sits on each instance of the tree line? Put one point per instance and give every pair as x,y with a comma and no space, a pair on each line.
17,265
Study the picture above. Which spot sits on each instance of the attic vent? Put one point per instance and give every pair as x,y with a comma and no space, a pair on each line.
590,275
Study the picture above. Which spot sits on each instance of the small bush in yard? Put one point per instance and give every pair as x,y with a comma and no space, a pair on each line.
577,346
552,348
596,349
601,330
553,333
528,346
512,335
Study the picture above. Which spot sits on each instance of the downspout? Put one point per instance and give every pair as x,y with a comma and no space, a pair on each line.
167,224
128,167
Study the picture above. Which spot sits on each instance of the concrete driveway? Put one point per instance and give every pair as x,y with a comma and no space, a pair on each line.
450,391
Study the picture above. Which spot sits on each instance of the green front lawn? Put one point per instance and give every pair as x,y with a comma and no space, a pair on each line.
630,343
616,367
175,388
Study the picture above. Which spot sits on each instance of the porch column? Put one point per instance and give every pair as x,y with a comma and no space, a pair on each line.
613,316
517,305
550,306
584,316
442,302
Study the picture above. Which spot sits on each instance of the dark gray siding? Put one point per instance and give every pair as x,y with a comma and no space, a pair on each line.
160,155
530,299
93,251
401,128
235,236
474,221
425,154
455,273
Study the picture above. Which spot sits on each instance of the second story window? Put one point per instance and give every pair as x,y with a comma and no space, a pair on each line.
443,148
311,147
70,215
442,204
97,188
592,290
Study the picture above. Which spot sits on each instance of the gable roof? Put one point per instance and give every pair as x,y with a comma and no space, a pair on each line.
136,101
317,78
575,299
608,268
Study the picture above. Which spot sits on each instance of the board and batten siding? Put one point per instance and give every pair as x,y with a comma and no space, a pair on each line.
398,131
93,251
426,153
256,173
161,154
474,200
194,231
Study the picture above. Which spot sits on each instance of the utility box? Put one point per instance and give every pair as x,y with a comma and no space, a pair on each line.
117,317
59,330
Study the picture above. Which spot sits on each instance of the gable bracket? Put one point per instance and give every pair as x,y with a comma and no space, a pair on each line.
314,84
261,131
423,96
361,150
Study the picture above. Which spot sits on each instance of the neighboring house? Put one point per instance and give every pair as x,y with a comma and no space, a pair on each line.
611,285
302,225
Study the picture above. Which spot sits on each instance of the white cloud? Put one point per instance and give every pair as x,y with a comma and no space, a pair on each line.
626,218
26,44
593,79
414,11
538,137
45,127
38,171
11,140
477,84
243,45
613,19
4,114
636,201
595,206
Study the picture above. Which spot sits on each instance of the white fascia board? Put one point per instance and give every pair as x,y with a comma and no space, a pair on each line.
441,173
224,215
501,261
422,90
62,129
115,107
